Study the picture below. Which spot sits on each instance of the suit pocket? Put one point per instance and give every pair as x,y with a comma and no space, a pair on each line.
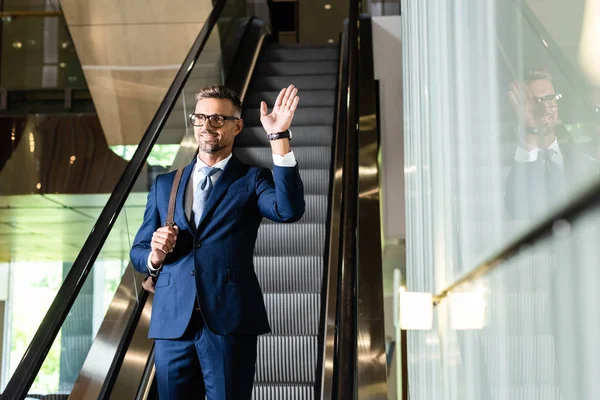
163,280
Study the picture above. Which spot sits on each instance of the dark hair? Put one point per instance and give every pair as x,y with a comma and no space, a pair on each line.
221,92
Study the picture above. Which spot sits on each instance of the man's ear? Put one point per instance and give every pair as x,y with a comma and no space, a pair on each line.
239,126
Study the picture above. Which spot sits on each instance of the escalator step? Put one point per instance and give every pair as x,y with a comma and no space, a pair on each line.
285,392
306,116
307,157
286,359
302,82
297,68
301,240
316,181
289,274
293,313
308,98
300,54
303,136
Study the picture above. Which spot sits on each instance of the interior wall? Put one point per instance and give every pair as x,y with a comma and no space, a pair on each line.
387,49
387,56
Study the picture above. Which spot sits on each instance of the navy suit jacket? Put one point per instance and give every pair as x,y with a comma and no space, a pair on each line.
215,261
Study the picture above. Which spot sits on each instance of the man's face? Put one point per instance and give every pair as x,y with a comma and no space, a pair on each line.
213,140
546,113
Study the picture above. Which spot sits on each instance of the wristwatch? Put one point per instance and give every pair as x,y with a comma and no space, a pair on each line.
280,135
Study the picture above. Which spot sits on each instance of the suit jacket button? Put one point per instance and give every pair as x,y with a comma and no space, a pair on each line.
192,273
197,245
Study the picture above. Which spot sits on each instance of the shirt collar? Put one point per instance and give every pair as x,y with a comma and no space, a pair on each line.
522,155
221,164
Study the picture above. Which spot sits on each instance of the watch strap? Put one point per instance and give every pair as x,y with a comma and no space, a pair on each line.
280,135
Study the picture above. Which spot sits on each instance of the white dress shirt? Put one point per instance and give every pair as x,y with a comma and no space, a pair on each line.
287,160
523,156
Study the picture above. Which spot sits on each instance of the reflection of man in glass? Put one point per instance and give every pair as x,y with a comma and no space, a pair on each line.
542,168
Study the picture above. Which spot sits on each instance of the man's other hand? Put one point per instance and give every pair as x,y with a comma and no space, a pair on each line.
163,242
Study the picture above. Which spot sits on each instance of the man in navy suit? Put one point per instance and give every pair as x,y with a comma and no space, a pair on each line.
208,307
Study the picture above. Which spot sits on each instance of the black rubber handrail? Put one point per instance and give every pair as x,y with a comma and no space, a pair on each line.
30,364
345,358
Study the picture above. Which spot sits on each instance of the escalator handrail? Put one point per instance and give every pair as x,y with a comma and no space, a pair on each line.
30,364
345,358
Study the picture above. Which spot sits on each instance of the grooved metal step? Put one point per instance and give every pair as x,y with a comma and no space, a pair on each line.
264,391
316,181
303,136
307,157
289,258
298,68
305,116
300,54
308,98
301,240
286,359
293,313
302,82
288,274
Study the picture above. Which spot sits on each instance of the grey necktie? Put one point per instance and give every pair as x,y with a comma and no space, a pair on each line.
202,192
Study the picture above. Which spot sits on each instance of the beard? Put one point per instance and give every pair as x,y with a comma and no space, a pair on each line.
209,143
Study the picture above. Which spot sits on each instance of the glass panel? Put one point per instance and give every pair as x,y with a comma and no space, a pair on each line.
38,53
501,126
501,107
70,349
538,338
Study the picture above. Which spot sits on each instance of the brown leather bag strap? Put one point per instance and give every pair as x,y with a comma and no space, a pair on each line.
170,222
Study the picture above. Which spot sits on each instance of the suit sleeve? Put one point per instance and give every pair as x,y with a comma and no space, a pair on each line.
141,249
280,194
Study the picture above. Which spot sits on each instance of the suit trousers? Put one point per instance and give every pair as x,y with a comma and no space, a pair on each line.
201,363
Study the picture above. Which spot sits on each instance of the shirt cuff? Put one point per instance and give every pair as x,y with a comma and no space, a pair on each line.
288,160
151,270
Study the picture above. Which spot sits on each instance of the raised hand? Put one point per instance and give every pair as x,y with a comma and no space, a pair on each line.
280,118
523,103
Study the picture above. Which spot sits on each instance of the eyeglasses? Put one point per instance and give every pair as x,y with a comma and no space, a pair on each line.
550,100
215,120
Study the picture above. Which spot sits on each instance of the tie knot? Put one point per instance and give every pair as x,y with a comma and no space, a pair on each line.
209,171
546,155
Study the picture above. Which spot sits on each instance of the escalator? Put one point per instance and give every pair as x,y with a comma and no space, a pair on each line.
292,261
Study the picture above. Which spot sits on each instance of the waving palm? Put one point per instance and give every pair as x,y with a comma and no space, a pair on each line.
282,114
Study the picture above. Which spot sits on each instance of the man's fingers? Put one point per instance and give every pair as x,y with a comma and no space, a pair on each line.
160,248
165,229
168,236
295,104
288,93
292,98
162,242
280,98
263,109
513,99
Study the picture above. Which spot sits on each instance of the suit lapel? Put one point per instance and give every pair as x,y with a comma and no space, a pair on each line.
233,170
180,201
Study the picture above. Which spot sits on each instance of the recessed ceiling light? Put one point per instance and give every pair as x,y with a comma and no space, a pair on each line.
328,6
330,41
62,65
17,45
